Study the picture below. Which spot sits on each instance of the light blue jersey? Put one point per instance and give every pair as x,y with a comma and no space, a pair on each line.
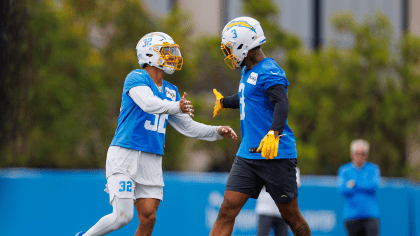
256,110
138,129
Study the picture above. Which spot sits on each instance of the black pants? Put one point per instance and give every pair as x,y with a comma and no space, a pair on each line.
266,222
363,227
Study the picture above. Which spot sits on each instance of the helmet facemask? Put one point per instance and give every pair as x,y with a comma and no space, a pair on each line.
169,57
230,58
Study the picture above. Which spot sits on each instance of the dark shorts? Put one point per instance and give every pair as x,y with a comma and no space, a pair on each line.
277,175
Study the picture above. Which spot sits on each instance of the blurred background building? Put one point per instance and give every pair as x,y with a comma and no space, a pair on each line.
309,19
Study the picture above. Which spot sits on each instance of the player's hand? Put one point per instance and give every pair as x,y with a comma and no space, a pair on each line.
227,132
269,145
186,106
218,107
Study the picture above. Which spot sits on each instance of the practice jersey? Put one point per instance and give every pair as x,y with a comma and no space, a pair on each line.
138,129
256,110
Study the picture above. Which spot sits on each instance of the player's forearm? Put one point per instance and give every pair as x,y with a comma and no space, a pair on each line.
278,97
279,118
230,102
185,125
148,102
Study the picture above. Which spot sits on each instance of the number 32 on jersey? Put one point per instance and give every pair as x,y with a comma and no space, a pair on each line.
158,124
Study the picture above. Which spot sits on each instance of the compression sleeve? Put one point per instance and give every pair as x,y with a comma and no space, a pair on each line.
231,102
184,124
278,97
148,102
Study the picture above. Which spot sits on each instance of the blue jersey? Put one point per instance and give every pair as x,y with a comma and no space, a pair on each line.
359,201
138,129
256,110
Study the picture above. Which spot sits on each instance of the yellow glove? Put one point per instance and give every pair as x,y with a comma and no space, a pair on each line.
269,145
217,106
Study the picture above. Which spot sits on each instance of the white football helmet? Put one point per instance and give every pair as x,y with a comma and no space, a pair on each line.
159,50
238,37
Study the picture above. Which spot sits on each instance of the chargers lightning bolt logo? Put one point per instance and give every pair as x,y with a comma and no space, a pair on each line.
240,24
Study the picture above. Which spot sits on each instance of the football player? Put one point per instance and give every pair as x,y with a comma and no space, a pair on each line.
263,102
134,158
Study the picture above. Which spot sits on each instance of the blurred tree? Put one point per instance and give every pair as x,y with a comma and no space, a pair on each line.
212,72
15,65
409,70
66,61
80,54
338,95
355,93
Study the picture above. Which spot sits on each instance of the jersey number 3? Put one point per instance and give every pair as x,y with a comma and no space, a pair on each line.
158,124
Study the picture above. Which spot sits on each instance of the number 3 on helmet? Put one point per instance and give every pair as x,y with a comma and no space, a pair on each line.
238,37
159,50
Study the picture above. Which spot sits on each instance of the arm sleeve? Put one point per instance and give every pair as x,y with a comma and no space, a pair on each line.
278,97
148,102
184,124
231,102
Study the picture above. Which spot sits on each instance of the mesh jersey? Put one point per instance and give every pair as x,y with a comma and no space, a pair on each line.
138,129
256,110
